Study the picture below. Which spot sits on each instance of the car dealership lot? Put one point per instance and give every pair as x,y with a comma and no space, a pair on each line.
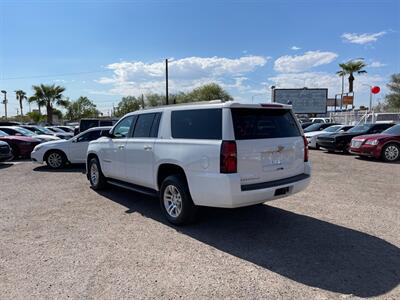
338,238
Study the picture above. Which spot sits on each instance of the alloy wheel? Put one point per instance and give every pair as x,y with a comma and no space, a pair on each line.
55,160
172,201
392,153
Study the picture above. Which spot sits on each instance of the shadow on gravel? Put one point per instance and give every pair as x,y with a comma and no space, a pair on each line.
75,168
374,160
307,250
5,165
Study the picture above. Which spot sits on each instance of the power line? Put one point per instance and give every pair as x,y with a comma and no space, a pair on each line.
55,75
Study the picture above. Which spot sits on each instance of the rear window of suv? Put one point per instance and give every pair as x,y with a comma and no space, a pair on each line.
203,124
250,123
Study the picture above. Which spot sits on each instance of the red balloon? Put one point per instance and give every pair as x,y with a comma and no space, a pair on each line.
375,89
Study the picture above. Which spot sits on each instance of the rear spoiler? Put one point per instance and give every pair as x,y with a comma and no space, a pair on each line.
261,105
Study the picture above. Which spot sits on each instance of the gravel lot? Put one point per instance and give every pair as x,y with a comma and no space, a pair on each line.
338,239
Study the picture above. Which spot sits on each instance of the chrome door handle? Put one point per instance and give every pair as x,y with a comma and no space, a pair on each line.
147,147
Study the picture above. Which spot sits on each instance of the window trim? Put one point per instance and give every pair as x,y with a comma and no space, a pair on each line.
130,128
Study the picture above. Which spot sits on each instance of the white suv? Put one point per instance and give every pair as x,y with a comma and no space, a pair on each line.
210,154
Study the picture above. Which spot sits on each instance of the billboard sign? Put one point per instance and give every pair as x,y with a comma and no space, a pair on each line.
304,101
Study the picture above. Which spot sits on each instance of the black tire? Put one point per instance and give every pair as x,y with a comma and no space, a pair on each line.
99,182
391,152
55,159
188,209
317,147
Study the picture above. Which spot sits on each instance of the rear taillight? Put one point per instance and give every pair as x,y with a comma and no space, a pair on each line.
228,158
305,149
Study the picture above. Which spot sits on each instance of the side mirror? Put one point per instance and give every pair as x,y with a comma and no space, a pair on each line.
107,134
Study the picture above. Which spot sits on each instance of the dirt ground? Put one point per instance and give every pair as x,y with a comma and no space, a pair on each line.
338,239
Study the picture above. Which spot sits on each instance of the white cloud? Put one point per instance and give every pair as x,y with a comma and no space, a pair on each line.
363,38
299,63
138,77
295,48
376,64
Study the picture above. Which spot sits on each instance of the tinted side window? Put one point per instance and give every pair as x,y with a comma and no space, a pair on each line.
197,124
89,136
156,125
250,123
143,125
122,129
9,131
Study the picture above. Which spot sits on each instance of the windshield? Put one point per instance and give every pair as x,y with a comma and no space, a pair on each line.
24,131
44,130
395,130
333,128
360,128
2,133
55,129
314,127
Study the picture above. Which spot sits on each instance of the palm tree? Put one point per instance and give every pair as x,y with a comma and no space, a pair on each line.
349,68
21,95
48,95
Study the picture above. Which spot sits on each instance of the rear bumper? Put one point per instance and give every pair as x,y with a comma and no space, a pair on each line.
225,190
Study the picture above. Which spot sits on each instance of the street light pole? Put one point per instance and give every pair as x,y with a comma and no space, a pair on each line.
5,103
370,96
166,81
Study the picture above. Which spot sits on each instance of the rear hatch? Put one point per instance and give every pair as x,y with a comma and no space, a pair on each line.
269,143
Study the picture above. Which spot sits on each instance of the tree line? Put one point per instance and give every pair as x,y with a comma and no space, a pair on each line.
50,97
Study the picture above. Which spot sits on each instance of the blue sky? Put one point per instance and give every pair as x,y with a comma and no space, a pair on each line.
108,49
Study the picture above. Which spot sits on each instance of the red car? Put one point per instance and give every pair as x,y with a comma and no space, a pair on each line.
21,146
385,145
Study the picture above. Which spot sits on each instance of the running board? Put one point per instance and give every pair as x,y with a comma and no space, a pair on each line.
133,187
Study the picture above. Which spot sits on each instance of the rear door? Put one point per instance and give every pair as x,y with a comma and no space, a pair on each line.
269,144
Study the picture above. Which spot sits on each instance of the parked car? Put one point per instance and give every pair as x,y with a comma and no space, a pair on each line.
69,129
66,135
5,152
21,146
57,153
42,130
306,124
9,123
211,154
321,120
385,145
313,135
318,127
85,124
19,131
341,141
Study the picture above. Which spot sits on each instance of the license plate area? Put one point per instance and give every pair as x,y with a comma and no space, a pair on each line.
282,191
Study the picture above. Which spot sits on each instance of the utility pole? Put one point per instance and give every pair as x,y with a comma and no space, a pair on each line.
166,81
5,103
142,101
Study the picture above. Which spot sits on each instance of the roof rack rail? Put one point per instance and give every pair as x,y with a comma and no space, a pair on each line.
216,101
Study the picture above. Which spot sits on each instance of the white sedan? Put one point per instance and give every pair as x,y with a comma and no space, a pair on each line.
57,153
312,136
